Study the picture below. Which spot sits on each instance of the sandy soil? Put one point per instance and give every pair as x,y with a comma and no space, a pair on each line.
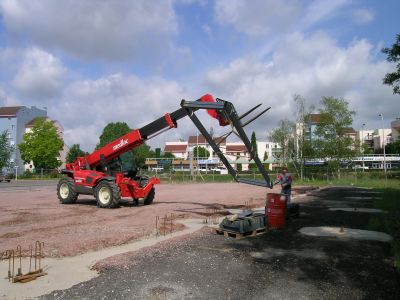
68,230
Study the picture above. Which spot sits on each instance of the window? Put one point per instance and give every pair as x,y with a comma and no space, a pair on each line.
12,126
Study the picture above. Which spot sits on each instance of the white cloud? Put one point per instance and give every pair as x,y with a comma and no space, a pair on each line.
257,17
88,105
363,16
261,17
313,67
319,10
115,30
39,75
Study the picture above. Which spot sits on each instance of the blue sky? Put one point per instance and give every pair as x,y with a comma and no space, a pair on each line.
93,62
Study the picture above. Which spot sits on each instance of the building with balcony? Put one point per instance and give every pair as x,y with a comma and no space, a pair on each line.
381,137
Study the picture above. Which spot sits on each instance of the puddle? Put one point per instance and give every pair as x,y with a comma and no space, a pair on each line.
275,252
346,233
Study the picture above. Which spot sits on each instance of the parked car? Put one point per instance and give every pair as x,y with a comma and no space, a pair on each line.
4,177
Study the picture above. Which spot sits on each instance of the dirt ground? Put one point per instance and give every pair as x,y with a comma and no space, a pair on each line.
281,264
36,215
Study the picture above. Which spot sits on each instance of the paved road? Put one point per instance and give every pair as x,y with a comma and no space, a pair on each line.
281,264
27,185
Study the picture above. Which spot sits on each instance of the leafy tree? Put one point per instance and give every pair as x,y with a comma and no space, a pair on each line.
111,132
141,153
393,55
168,155
200,152
74,152
331,143
283,135
131,159
301,144
5,150
393,148
42,145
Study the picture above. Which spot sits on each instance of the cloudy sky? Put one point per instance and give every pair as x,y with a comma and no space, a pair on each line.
93,62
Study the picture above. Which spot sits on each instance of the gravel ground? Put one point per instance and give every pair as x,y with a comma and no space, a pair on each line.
67,230
281,264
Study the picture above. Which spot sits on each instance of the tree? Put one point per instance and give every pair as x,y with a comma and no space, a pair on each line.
393,148
266,165
332,144
254,142
168,155
393,55
254,148
283,135
158,152
111,132
301,144
200,152
42,145
5,150
74,152
131,159
239,167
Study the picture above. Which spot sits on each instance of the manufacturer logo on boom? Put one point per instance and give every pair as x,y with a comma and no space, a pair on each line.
121,143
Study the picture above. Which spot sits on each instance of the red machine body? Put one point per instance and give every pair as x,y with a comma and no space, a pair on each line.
100,173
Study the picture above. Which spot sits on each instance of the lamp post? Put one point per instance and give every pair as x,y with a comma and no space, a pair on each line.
383,143
16,172
362,144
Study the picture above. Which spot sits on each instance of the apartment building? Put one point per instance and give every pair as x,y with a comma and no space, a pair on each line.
13,119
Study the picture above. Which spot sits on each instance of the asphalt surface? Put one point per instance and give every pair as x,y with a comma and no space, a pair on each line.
281,264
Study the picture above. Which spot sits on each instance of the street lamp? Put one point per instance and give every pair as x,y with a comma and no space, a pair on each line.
383,143
362,144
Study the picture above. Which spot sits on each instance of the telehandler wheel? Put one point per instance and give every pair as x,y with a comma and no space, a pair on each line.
107,194
150,197
66,191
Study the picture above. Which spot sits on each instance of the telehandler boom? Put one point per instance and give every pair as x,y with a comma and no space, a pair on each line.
100,173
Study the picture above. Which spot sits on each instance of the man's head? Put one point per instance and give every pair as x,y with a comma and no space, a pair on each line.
284,170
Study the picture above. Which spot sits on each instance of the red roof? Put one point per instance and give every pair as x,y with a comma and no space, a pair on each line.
349,130
9,111
236,148
315,118
193,140
175,148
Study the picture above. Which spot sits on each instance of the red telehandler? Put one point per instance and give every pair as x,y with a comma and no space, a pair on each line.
100,173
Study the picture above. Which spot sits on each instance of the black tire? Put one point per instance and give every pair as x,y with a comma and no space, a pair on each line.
150,197
107,194
66,191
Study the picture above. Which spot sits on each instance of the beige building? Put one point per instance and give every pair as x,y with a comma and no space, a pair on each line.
395,126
